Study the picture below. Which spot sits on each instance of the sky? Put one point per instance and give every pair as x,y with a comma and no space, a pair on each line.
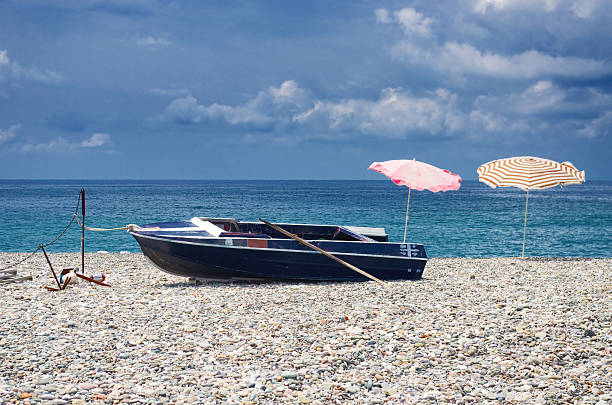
155,89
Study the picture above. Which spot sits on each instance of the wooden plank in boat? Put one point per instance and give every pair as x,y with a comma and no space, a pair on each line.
366,230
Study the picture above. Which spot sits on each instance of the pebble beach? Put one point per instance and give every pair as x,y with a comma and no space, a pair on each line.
503,330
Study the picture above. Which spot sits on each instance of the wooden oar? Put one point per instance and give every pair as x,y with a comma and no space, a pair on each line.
310,245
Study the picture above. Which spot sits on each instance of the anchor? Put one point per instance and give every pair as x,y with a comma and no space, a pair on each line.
65,272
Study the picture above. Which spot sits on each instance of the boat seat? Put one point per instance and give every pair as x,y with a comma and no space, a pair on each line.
343,233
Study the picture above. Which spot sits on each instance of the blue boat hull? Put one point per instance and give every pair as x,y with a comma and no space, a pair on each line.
214,261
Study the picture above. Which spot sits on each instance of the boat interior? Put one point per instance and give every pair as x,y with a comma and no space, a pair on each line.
230,227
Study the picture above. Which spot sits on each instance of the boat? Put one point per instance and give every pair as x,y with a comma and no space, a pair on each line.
228,249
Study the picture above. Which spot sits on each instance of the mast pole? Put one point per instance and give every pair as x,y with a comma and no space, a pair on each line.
83,231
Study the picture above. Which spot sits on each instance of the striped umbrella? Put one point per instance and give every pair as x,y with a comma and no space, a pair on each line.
528,173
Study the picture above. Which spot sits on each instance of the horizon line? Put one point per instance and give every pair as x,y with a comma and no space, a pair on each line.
229,179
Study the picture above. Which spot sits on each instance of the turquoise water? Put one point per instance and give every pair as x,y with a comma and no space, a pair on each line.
475,221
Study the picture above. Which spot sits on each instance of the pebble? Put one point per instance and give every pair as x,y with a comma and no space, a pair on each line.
47,396
518,331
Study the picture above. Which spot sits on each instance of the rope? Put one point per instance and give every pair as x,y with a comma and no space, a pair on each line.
68,226
128,227
21,261
91,228
49,243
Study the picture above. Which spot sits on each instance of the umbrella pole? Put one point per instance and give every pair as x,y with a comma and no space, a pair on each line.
406,223
525,224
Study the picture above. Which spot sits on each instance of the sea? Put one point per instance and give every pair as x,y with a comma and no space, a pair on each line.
474,221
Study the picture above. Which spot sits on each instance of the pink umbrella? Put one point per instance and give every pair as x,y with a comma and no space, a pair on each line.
417,175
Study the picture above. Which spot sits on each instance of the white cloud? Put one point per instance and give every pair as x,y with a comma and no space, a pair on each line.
412,21
188,110
10,132
545,107
152,42
482,6
599,127
542,96
288,93
57,144
487,120
15,71
588,8
260,112
171,92
464,59
62,145
289,109
395,114
421,46
382,15
96,140
546,98
579,8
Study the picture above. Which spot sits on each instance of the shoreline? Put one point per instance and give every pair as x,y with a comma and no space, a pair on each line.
472,330
527,258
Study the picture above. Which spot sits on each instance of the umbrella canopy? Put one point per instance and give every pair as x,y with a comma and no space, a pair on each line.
418,175
528,173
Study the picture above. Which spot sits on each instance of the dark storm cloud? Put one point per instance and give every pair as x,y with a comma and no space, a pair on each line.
455,81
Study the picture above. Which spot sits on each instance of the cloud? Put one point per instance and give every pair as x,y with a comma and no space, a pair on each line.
187,110
545,98
482,6
382,15
465,59
422,47
57,144
171,92
395,114
412,21
588,8
13,70
152,42
559,77
96,140
579,8
539,98
599,127
488,121
267,108
545,107
61,145
9,133
290,110
542,96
